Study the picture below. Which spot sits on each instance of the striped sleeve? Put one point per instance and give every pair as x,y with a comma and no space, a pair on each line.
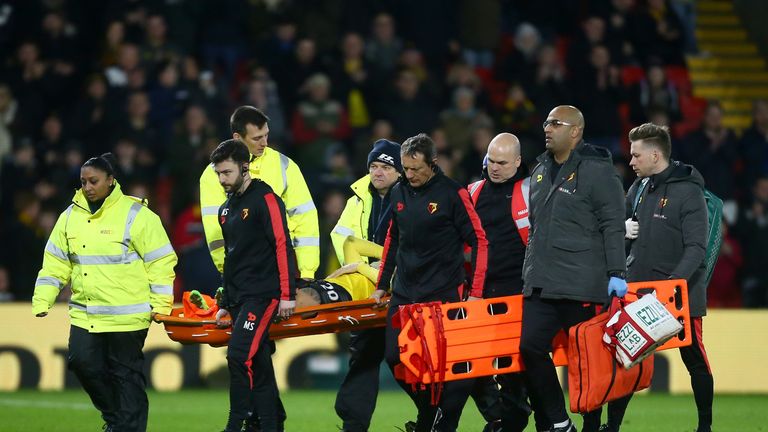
277,231
151,243
468,224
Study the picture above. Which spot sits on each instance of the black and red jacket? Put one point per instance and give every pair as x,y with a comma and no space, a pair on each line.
426,237
506,245
259,261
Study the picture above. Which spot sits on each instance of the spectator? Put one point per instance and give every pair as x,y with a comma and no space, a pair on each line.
519,114
136,125
261,92
383,48
317,123
410,110
277,50
461,74
204,89
111,46
600,93
654,93
658,34
461,120
593,33
23,241
754,144
352,81
712,150
166,101
305,63
520,64
753,232
128,60
93,116
549,86
479,31
194,140
8,120
724,290
157,49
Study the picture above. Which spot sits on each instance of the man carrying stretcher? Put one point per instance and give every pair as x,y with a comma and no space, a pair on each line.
354,281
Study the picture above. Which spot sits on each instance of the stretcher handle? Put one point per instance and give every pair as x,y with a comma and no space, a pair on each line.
185,322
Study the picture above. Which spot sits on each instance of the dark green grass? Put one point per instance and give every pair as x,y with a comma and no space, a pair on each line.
311,411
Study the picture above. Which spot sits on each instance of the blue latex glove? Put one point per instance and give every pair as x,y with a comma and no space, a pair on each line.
617,286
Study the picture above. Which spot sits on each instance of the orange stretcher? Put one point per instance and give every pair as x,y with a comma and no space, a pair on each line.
452,341
328,318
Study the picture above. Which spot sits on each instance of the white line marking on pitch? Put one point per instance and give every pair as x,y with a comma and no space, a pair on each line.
26,403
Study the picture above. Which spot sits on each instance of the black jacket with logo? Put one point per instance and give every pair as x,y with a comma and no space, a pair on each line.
426,237
506,250
259,261
577,223
672,242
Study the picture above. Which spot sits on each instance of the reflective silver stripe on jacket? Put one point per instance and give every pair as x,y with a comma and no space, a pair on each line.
301,209
118,310
54,250
132,212
158,253
306,241
212,246
48,280
104,259
343,231
473,187
77,306
209,211
161,289
284,162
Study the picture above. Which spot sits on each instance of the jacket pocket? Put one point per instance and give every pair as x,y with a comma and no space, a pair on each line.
571,245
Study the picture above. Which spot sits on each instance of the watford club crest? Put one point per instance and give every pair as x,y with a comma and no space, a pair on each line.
244,214
400,206
432,207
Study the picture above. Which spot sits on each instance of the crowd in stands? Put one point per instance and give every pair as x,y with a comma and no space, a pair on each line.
155,82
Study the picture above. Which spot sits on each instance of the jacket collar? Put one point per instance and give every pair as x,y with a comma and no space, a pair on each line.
360,186
114,196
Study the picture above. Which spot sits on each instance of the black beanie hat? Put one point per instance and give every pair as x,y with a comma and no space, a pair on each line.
387,152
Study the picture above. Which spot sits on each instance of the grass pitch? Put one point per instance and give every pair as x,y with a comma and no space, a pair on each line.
312,411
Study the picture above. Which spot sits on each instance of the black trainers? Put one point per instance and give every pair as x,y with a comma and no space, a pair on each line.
567,428
106,428
493,426
410,426
606,428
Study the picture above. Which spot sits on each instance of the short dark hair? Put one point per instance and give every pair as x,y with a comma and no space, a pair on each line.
106,163
420,143
245,115
231,149
657,136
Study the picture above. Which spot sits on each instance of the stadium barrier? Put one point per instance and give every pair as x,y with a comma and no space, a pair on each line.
33,354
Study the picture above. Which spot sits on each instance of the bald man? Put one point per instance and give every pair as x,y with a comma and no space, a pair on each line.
575,256
501,202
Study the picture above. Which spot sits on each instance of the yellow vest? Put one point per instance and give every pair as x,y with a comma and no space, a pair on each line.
118,261
354,219
286,180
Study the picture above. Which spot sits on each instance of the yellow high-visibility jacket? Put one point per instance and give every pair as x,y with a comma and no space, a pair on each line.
119,262
354,219
286,180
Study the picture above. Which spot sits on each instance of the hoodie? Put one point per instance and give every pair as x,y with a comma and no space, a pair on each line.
672,214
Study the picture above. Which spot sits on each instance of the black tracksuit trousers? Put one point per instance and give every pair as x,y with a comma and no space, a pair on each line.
542,319
356,399
110,367
445,416
253,390
695,359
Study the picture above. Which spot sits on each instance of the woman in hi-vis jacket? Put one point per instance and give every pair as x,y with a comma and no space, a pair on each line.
116,256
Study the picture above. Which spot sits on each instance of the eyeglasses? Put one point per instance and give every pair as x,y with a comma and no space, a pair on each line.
555,123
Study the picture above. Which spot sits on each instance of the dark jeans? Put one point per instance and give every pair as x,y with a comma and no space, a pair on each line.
110,367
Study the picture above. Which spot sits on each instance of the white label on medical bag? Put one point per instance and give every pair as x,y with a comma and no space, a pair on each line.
630,339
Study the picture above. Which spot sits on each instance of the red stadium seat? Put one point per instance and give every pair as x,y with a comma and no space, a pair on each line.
678,76
631,75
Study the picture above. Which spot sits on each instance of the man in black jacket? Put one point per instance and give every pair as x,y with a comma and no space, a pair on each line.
667,227
432,218
501,202
575,254
259,273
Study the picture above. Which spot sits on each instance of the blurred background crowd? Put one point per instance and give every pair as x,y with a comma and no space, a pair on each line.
155,81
